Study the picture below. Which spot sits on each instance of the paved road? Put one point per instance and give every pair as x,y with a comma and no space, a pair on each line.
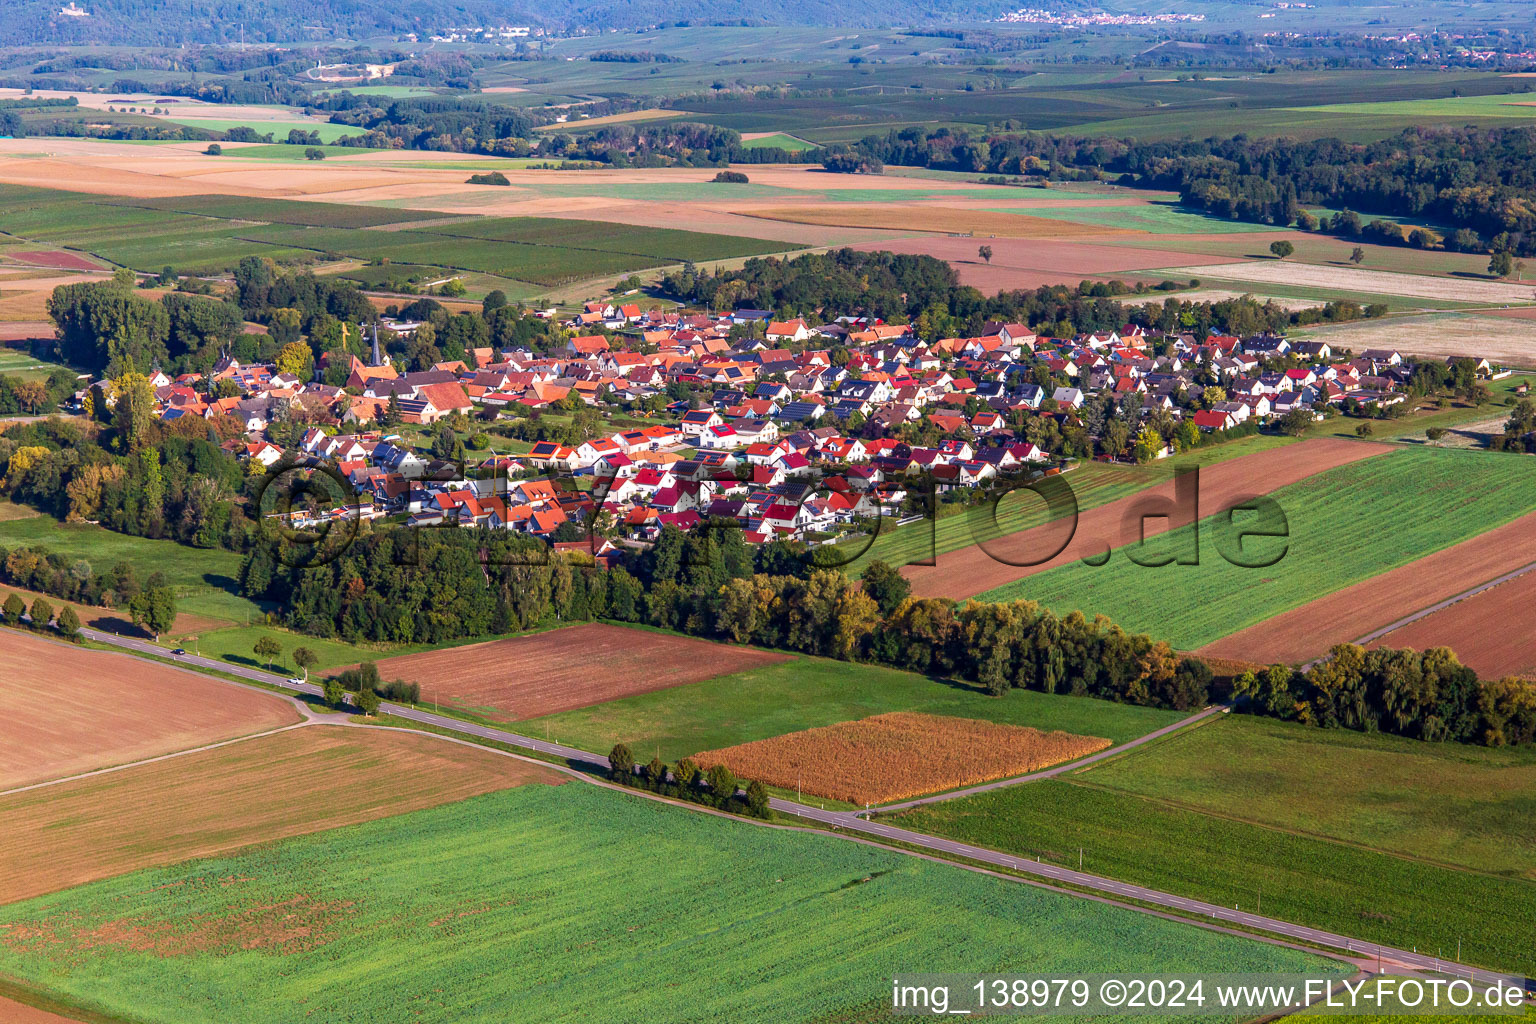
1051,773
853,822
1424,613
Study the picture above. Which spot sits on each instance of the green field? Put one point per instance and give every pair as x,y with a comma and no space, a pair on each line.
281,211
20,363
544,251
1163,218
666,244
566,903
1501,105
212,232
204,578
1345,525
808,692
1220,859
133,233
539,264
278,129
1093,484
778,141
1451,803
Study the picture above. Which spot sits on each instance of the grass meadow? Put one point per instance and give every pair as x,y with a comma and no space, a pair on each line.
565,903
20,363
1461,805
1219,858
1345,525
778,140
281,211
1163,218
205,579
808,692
278,129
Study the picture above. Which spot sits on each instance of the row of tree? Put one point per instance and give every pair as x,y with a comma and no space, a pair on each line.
42,616
718,787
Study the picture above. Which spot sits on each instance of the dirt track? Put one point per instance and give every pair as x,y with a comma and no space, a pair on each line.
973,570
1304,633
575,667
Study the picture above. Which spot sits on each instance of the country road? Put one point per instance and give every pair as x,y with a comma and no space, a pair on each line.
853,822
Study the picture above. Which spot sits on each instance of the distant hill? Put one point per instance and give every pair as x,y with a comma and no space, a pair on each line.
170,22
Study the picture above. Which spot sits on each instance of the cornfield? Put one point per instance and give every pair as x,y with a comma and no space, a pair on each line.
899,755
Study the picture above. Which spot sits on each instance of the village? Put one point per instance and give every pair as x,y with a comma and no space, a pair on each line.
793,431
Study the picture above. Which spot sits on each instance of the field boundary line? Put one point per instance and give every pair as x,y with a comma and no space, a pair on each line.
161,757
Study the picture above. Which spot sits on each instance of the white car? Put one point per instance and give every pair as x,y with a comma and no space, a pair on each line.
295,681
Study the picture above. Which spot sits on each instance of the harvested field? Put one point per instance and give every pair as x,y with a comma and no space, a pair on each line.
1376,282
1290,305
256,791
567,668
982,224
54,259
899,755
66,710
1490,632
1509,340
648,114
1346,615
981,567
1030,264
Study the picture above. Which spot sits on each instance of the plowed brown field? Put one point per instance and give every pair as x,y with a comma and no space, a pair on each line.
256,791
1490,632
974,570
66,710
899,755
527,676
1346,615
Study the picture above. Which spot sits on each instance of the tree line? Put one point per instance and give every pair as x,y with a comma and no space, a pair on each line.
431,586
41,617
1425,695
439,585
1482,180
927,292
